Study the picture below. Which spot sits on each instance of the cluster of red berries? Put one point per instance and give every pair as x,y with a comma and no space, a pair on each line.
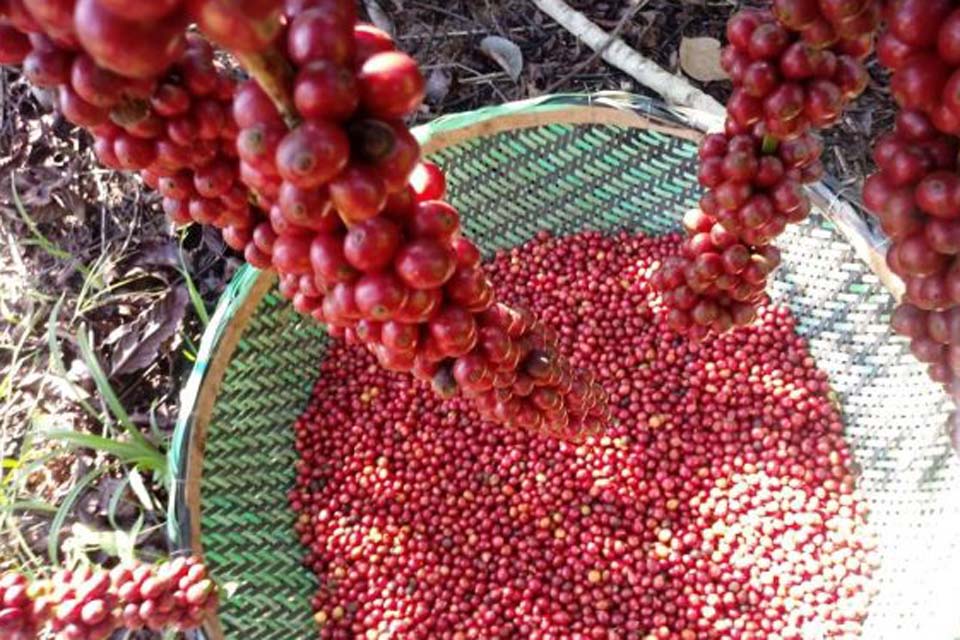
137,40
158,107
192,160
720,504
357,227
921,47
720,277
363,241
794,69
915,194
20,617
176,595
90,604
80,603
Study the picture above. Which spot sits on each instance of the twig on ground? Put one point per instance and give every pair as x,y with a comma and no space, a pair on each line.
673,88
614,35
441,10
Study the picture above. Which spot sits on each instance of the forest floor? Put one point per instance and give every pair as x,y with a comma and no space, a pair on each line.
102,303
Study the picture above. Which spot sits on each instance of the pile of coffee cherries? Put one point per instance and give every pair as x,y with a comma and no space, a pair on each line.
915,194
342,206
794,69
88,604
721,504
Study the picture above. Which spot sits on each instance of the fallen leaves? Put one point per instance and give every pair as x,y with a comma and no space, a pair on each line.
438,85
137,344
700,59
505,53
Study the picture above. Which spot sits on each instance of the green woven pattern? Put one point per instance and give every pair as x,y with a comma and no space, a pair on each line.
896,421
568,178
247,525
565,179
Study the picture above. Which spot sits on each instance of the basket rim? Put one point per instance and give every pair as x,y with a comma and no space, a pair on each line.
249,286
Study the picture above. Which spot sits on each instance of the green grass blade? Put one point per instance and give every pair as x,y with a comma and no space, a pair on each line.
198,304
24,469
56,358
115,503
53,345
6,385
147,457
158,435
128,553
106,390
53,541
190,351
140,490
29,505
44,242
90,281
49,247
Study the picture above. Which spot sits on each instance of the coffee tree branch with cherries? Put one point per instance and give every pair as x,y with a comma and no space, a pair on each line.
309,169
794,69
302,158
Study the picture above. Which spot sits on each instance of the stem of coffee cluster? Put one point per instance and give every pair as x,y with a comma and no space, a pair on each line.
273,73
770,145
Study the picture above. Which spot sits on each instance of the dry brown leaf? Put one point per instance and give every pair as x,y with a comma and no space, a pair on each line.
379,17
700,59
505,53
158,253
438,85
137,344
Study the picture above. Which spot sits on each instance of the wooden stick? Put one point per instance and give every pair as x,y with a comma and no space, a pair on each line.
673,88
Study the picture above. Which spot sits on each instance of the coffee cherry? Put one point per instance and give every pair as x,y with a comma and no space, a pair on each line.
369,41
14,45
320,34
130,48
324,90
313,153
425,264
391,85
371,245
245,27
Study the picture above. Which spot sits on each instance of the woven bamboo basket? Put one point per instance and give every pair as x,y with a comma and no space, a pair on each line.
568,163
